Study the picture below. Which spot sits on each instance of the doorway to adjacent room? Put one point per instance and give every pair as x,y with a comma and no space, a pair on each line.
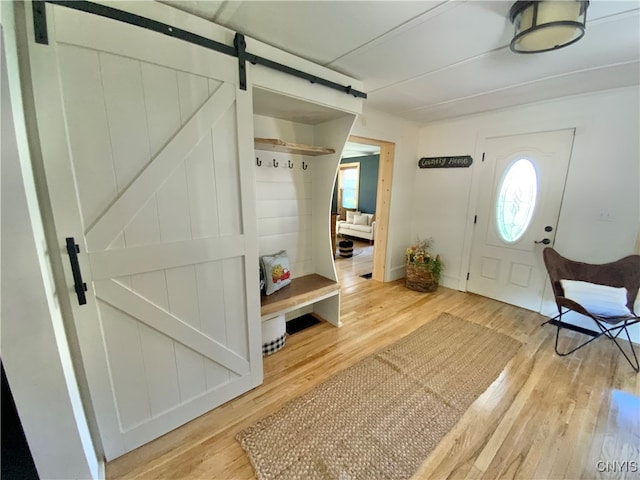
358,266
376,201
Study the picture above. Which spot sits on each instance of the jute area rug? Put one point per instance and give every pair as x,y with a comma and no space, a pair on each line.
380,418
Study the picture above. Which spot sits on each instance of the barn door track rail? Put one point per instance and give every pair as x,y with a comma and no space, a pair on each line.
237,50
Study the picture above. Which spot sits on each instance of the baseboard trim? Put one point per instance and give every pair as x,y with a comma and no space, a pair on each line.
396,273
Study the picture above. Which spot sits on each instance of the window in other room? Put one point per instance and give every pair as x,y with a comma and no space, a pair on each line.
348,185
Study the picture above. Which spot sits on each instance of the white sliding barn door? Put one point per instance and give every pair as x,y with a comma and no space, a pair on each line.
147,150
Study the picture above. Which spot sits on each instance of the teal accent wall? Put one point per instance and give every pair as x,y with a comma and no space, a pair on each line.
368,183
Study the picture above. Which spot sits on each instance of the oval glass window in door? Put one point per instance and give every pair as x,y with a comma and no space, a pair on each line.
516,200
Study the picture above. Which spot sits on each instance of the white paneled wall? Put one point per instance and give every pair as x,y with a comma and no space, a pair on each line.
283,197
283,194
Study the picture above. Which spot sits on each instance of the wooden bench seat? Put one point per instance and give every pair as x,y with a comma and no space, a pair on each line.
301,292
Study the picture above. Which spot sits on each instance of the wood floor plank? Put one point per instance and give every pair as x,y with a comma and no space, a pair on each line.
545,416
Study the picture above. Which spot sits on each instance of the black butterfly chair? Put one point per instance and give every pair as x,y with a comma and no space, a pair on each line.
622,273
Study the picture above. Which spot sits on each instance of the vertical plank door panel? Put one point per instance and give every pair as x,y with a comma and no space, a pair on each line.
172,155
160,370
88,130
203,202
227,175
162,104
210,281
127,366
124,100
193,91
173,207
144,229
234,296
141,139
191,374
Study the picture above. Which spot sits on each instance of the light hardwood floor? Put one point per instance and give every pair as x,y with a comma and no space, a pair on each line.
544,417
350,269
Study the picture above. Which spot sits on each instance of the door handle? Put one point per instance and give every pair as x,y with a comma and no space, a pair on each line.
544,241
80,287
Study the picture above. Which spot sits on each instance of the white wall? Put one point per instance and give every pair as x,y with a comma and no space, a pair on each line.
35,352
382,126
283,195
603,177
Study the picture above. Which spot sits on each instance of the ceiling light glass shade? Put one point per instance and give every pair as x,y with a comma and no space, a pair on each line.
547,25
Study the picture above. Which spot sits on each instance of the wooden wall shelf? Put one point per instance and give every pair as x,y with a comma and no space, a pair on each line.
275,145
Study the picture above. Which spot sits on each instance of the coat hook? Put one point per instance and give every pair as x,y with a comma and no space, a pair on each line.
275,164
304,166
290,163
258,161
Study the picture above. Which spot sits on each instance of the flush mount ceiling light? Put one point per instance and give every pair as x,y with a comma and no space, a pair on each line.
541,26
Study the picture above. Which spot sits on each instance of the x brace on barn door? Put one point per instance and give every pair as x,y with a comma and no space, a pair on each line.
238,49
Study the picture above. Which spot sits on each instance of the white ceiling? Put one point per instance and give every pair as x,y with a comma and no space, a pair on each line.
429,60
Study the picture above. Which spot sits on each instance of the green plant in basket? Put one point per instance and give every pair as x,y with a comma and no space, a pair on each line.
419,255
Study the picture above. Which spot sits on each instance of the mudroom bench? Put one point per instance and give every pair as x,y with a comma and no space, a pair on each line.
309,289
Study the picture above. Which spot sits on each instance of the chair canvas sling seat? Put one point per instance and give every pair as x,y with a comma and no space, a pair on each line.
621,273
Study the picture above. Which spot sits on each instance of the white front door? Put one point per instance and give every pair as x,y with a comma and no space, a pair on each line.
522,183
147,151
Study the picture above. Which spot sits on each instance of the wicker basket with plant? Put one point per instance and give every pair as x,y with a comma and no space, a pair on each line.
422,268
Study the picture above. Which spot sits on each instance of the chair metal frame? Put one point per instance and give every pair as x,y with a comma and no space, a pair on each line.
622,273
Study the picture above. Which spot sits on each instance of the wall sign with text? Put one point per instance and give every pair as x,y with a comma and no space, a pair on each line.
445,162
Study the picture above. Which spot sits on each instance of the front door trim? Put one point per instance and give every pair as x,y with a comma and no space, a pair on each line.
474,194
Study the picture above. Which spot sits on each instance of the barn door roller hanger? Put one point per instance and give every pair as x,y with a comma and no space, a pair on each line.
237,50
